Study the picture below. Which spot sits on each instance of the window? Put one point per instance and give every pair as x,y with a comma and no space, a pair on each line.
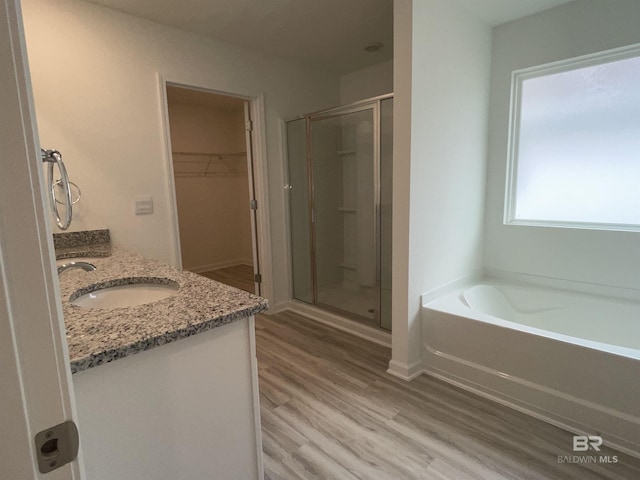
574,153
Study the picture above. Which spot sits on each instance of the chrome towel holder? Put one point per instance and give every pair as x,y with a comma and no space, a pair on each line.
51,158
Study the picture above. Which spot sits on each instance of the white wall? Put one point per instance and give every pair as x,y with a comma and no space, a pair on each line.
441,182
213,210
402,78
367,82
578,28
94,74
204,128
215,222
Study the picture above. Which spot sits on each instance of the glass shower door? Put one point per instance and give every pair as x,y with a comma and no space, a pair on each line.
345,186
299,221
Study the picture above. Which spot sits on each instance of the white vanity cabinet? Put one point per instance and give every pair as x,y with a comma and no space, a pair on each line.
187,410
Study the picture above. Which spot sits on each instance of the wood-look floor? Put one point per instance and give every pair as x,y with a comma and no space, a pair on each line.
239,276
329,411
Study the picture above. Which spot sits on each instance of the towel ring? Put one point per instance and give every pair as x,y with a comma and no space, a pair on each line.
51,157
74,198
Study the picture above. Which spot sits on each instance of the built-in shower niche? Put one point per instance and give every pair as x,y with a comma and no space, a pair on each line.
337,244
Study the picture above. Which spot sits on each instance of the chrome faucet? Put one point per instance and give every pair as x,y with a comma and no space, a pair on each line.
86,266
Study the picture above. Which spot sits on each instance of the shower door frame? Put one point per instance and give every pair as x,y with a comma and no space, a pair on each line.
366,104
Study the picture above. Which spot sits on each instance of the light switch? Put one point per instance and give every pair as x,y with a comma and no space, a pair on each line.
144,205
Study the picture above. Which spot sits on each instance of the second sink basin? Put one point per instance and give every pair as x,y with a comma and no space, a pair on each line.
127,292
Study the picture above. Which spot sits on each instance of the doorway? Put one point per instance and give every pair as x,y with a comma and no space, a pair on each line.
211,151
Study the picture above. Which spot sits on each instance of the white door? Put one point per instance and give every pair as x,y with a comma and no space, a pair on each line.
35,380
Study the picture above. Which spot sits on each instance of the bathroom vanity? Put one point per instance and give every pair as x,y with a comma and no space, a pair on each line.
168,389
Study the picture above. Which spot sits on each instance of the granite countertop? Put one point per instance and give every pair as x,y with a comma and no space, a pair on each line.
97,336
89,243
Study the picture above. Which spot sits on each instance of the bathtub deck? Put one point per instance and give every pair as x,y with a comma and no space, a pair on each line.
329,410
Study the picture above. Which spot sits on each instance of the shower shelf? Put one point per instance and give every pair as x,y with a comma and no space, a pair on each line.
346,210
346,152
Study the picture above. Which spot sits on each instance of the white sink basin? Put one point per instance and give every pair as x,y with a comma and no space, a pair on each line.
127,295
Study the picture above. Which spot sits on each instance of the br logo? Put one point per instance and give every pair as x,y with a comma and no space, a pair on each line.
582,443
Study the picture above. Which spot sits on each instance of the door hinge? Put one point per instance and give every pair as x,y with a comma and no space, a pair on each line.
248,125
253,204
257,278
57,446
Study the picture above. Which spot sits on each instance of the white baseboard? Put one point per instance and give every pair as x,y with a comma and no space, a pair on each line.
404,371
217,265
374,335
277,308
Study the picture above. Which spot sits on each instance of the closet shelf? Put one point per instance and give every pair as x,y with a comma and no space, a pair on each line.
209,164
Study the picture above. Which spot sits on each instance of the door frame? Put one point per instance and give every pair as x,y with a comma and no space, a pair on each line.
36,390
253,212
262,238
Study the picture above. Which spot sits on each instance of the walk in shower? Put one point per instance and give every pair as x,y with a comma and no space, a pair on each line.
339,194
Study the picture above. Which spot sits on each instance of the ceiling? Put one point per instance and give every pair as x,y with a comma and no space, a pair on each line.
326,34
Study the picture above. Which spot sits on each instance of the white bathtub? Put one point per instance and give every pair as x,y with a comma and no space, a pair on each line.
567,358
